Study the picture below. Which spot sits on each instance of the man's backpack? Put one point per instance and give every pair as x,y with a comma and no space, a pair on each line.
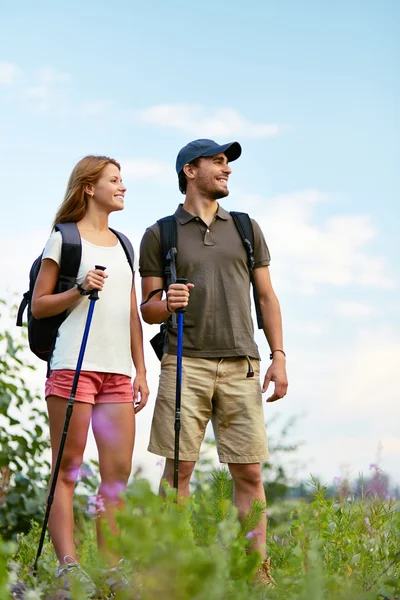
168,242
42,333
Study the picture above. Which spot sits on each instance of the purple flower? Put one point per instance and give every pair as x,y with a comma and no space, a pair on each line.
250,535
277,538
375,467
95,506
85,472
268,512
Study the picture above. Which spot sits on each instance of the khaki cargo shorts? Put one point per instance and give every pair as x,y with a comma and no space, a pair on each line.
216,389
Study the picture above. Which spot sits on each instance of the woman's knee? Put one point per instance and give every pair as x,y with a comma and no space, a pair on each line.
117,473
69,469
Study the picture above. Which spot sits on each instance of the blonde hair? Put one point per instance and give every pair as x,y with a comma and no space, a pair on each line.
86,172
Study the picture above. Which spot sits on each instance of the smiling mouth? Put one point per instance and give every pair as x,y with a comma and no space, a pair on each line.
119,196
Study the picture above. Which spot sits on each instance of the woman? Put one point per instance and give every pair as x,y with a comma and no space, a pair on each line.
104,394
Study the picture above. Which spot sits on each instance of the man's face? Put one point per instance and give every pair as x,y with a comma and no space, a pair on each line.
211,175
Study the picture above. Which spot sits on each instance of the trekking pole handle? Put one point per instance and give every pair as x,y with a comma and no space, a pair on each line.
95,293
184,281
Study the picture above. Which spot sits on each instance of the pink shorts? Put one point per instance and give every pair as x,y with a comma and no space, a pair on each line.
93,387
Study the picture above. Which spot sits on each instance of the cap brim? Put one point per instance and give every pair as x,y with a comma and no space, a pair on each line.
232,151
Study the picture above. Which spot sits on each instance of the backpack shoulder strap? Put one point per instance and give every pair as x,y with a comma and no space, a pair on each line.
127,246
245,230
168,243
71,251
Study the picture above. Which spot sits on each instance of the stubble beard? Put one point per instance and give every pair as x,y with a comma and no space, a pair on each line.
218,194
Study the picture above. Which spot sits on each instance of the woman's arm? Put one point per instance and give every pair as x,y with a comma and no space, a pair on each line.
140,387
45,303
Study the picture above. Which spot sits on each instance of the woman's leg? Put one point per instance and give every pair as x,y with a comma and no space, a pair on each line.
61,521
114,430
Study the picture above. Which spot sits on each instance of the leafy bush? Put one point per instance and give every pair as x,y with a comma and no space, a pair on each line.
326,550
23,472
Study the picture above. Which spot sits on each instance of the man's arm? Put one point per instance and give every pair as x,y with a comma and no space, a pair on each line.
272,318
155,310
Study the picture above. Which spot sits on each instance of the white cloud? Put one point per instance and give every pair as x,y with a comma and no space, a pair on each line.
49,76
198,121
47,91
354,309
143,168
334,251
9,73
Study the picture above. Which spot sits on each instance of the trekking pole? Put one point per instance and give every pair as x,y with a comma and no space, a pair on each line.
93,297
180,314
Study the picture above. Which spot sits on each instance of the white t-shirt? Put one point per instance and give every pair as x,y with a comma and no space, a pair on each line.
108,348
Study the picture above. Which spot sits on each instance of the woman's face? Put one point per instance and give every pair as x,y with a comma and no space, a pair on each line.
109,190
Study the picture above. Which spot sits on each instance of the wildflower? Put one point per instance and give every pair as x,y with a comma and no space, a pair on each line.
375,467
268,512
85,472
95,506
250,535
277,538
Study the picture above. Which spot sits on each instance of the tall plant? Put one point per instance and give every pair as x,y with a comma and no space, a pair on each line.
23,437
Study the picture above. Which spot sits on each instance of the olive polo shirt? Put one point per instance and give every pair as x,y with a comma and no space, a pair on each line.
218,319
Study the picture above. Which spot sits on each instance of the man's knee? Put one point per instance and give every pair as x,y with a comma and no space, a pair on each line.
248,475
185,469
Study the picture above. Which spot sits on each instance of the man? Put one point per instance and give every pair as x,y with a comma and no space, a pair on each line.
220,356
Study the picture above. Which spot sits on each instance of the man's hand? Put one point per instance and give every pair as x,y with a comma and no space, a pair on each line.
178,296
140,392
277,374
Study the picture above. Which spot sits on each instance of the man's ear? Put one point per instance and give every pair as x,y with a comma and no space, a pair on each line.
190,170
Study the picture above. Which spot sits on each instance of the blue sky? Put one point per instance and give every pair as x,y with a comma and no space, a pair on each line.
311,92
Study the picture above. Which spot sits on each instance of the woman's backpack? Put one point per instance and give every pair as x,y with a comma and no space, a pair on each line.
42,333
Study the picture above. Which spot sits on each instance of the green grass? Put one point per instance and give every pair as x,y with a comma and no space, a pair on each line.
321,550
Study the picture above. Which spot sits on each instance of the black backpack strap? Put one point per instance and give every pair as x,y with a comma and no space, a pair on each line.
245,229
71,253
168,243
22,307
127,246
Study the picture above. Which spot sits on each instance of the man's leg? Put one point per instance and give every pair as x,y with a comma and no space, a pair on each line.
184,474
248,488
198,381
238,421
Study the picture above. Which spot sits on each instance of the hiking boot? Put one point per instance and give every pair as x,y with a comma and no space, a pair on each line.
263,574
116,578
71,572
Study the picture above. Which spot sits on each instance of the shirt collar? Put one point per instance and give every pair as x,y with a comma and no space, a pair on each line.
183,216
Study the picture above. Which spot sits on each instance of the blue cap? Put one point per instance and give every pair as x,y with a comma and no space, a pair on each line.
200,148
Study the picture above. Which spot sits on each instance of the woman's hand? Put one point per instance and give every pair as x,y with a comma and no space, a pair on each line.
94,280
140,392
